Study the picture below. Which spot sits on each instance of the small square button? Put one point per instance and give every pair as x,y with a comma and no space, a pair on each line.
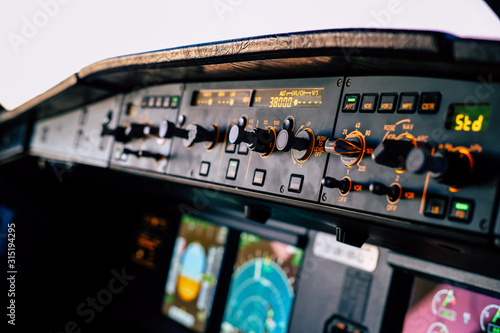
259,176
159,102
435,207
387,103
174,102
166,102
461,210
204,168
407,103
230,147
145,102
243,148
429,102
368,103
351,102
295,184
232,169
152,102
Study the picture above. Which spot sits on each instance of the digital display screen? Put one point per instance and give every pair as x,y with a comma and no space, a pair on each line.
194,271
443,308
289,98
261,293
222,97
468,117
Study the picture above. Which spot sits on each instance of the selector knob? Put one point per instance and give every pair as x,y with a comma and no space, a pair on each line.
344,185
451,168
393,192
351,149
392,153
143,153
168,130
286,140
197,133
126,133
259,140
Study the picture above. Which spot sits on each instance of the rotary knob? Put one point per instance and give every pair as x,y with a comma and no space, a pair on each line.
451,168
393,153
259,140
351,149
197,133
125,134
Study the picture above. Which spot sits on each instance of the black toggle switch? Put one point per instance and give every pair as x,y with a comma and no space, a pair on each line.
344,185
393,192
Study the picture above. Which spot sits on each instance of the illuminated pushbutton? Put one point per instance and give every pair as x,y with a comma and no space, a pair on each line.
435,207
407,103
368,103
429,102
387,103
351,102
232,169
461,210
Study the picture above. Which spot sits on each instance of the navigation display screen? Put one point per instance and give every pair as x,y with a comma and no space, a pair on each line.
261,293
194,271
442,308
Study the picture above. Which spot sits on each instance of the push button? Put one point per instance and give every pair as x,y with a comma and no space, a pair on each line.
152,102
159,102
429,103
435,207
145,102
243,148
407,103
351,103
166,101
295,184
174,102
259,177
230,147
204,168
368,103
232,169
387,103
461,210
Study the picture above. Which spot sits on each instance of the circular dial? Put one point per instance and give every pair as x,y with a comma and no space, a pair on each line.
443,303
438,328
351,149
490,318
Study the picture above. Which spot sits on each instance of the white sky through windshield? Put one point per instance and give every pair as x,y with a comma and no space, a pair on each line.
45,41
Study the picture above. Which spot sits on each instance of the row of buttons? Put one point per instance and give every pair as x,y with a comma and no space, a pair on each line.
388,103
259,175
242,148
460,210
160,102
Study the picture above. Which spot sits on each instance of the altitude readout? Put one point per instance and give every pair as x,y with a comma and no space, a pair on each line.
289,98
222,97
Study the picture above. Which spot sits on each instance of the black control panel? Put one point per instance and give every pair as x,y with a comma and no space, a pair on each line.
419,149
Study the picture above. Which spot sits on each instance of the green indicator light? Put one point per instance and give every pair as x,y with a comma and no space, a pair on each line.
495,330
175,99
496,316
351,99
461,206
233,164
